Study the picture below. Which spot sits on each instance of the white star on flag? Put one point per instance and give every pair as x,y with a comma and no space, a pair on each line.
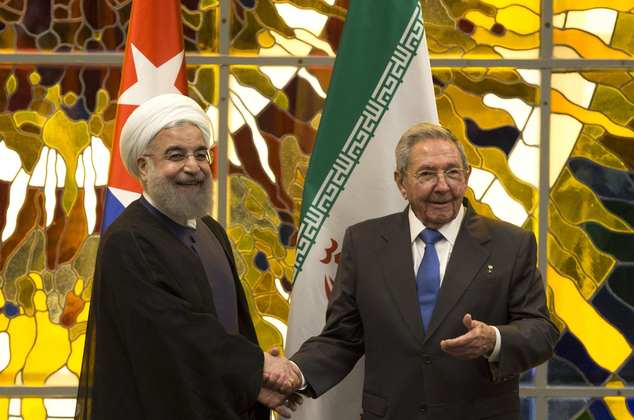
151,80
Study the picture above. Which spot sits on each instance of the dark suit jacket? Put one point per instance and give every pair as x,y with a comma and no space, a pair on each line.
374,311
155,349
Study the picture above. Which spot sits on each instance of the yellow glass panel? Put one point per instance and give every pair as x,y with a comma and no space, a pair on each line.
69,138
34,78
562,105
10,85
613,104
578,204
605,344
508,40
588,146
533,5
520,18
586,44
22,332
33,409
568,265
571,240
560,6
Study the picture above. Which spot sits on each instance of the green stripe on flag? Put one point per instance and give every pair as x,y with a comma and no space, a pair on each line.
378,44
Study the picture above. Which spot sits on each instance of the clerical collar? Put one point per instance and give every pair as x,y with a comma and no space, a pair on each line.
190,223
185,234
449,230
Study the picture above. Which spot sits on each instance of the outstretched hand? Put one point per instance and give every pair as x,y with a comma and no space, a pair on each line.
479,340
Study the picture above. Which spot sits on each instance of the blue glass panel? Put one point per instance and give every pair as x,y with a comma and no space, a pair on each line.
570,348
621,283
615,311
600,411
627,371
527,408
566,408
564,372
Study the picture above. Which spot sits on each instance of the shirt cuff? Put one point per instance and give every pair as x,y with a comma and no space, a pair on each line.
495,354
304,384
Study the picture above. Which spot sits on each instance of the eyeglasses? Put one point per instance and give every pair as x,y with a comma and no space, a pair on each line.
431,176
179,156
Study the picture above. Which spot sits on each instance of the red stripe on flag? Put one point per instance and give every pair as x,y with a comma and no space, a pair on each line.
157,33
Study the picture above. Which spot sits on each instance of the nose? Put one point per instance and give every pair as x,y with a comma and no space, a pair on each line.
191,165
441,182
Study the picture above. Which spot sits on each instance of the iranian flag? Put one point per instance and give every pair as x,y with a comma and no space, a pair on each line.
153,64
381,86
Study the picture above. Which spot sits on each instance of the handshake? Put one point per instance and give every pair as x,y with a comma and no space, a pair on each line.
281,379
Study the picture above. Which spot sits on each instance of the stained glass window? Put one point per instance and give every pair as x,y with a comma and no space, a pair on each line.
96,25
294,27
483,29
591,236
593,29
56,124
55,129
497,114
273,118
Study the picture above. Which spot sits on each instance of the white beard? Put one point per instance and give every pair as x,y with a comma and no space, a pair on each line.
174,201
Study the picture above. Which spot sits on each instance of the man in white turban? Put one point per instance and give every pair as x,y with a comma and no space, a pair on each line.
169,334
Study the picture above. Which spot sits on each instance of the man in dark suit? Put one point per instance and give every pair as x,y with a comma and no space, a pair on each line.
447,306
169,334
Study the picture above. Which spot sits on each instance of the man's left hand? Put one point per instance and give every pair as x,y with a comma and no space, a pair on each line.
284,405
478,341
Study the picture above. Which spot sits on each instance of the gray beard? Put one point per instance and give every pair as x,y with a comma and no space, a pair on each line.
179,205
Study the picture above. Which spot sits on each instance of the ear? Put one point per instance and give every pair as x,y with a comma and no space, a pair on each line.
467,174
398,178
142,167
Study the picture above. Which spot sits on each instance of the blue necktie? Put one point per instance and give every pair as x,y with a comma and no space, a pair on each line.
428,275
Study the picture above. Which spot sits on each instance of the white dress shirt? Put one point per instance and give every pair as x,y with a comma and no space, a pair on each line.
443,248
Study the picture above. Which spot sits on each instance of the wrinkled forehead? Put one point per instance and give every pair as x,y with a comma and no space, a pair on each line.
435,153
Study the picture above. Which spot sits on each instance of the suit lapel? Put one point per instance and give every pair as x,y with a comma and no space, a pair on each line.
398,272
468,256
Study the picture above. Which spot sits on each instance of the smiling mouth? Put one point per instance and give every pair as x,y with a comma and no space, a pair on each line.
190,184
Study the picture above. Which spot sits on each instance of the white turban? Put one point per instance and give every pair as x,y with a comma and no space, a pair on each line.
151,117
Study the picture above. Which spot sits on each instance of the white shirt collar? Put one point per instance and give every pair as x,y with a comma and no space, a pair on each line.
190,223
449,230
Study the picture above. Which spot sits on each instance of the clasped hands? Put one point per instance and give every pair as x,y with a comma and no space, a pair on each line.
280,380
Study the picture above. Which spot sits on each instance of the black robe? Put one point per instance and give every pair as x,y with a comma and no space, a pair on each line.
154,347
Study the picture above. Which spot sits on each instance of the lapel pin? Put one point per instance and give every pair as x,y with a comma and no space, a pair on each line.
490,268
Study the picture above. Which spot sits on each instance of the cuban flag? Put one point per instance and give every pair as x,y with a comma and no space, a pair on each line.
153,64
